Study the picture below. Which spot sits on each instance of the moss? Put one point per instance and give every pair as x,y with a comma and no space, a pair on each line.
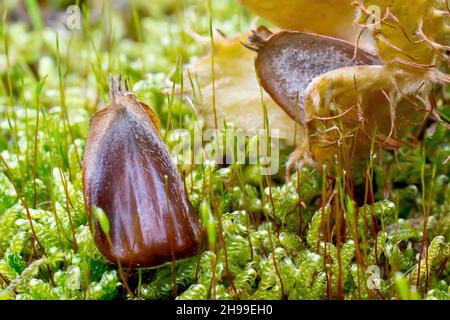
271,240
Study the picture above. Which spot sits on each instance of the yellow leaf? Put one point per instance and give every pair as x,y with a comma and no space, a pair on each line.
327,17
238,94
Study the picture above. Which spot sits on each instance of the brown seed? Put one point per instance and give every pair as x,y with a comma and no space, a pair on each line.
129,174
327,17
288,61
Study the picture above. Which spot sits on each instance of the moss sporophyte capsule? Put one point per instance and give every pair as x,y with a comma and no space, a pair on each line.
138,208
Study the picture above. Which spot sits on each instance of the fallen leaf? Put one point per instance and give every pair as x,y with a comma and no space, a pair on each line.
238,93
128,173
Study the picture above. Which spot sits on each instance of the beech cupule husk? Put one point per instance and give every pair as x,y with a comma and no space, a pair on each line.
129,174
288,61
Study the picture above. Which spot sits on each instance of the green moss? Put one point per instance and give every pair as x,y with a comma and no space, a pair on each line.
274,242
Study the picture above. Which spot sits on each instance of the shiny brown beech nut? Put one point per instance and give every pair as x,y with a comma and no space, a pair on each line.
326,17
129,174
288,61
